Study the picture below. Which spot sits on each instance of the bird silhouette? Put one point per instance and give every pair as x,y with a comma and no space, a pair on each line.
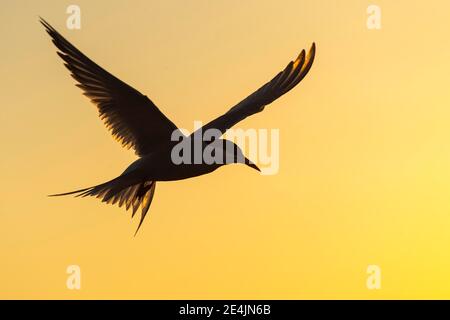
136,122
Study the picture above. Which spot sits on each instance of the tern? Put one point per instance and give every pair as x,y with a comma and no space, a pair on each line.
137,123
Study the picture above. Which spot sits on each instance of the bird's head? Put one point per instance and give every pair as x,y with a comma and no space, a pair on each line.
231,153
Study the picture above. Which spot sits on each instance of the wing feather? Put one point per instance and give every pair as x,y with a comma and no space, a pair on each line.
283,82
133,119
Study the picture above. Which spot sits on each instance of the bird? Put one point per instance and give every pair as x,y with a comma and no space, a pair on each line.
137,123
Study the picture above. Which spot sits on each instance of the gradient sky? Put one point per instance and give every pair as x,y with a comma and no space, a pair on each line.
364,156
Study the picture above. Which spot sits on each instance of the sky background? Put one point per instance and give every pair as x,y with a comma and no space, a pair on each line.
364,152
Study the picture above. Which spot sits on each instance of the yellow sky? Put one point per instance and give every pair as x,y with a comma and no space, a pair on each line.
364,152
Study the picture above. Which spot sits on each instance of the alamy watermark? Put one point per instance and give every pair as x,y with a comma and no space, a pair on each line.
207,147
374,279
73,21
374,17
73,281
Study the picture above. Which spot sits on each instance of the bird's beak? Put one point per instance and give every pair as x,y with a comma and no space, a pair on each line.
252,165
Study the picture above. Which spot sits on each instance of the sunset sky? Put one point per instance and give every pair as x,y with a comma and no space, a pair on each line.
364,176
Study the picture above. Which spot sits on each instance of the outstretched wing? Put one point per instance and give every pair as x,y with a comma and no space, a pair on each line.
132,118
287,79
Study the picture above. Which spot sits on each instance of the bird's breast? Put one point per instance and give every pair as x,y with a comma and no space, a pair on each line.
161,168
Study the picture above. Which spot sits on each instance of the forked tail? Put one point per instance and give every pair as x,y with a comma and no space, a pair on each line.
123,191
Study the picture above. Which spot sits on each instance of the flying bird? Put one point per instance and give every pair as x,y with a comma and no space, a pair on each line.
136,122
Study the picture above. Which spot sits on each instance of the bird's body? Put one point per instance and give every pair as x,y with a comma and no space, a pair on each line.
158,166
136,122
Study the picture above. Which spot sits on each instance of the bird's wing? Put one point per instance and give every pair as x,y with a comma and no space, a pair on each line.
133,119
284,81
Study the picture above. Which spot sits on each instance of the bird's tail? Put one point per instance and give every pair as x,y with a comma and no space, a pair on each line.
122,190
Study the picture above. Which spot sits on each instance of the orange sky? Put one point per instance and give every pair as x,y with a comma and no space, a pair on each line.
364,159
